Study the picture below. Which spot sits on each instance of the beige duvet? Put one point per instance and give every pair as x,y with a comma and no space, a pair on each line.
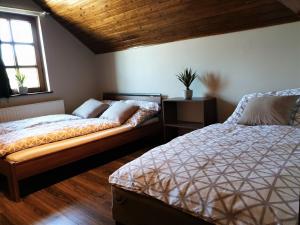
224,174
19,135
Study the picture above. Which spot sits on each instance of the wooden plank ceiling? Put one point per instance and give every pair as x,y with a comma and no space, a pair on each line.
111,25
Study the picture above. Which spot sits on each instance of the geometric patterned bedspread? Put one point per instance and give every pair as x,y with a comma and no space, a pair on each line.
19,135
12,126
224,174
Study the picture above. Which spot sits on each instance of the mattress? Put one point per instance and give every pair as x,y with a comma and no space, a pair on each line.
42,150
223,174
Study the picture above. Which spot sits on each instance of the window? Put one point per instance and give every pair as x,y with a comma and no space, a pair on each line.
20,49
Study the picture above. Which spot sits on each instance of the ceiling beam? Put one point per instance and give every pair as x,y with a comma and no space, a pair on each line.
293,5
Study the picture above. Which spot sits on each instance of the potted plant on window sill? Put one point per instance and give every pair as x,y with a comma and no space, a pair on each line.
187,77
21,79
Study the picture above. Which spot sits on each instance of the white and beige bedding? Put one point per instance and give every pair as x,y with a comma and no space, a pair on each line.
30,133
34,132
41,150
57,146
224,174
33,122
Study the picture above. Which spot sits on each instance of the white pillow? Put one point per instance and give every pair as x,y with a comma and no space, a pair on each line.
91,108
153,106
146,110
238,112
141,116
109,102
119,112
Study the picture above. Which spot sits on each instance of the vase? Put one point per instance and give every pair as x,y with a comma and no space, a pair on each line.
188,94
23,90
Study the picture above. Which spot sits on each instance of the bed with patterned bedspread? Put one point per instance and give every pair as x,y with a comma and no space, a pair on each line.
23,134
224,173
31,146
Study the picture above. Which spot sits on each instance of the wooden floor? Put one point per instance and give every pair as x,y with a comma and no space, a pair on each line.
75,194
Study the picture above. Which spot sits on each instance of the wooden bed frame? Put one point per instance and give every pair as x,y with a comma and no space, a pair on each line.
14,172
130,208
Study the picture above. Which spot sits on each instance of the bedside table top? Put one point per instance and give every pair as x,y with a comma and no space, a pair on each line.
195,99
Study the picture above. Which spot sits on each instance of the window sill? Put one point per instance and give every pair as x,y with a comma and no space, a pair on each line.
31,94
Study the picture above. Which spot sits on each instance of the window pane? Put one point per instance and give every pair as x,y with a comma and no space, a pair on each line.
31,80
25,55
12,78
4,30
21,31
7,54
32,77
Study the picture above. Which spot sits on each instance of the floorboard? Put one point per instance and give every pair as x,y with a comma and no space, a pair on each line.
72,195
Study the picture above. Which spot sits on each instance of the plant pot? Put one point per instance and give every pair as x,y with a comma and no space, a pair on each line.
23,90
188,94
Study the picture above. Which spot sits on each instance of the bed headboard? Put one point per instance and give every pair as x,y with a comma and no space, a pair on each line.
132,96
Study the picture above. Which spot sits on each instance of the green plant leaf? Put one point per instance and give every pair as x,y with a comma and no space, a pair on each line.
187,77
20,78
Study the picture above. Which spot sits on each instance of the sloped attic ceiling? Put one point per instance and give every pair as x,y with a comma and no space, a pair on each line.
111,25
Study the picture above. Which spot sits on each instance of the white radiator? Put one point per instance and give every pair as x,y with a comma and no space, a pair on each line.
32,110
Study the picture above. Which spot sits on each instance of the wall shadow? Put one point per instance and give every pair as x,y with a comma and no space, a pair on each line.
215,83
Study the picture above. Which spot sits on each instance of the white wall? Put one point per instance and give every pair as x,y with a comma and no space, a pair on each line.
249,61
71,65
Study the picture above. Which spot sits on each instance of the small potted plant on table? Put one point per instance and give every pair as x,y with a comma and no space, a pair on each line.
21,79
187,77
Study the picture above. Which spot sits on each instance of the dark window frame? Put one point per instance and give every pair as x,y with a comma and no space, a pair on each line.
36,44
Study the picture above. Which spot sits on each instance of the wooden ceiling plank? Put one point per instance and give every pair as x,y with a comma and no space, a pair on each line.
232,25
110,25
132,27
173,17
293,5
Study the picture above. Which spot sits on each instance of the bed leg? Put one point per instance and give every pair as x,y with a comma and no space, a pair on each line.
13,186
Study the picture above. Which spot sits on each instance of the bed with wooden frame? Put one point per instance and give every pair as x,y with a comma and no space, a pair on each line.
14,172
216,175
222,174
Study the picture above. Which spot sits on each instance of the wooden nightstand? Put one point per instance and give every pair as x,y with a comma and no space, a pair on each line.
173,126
